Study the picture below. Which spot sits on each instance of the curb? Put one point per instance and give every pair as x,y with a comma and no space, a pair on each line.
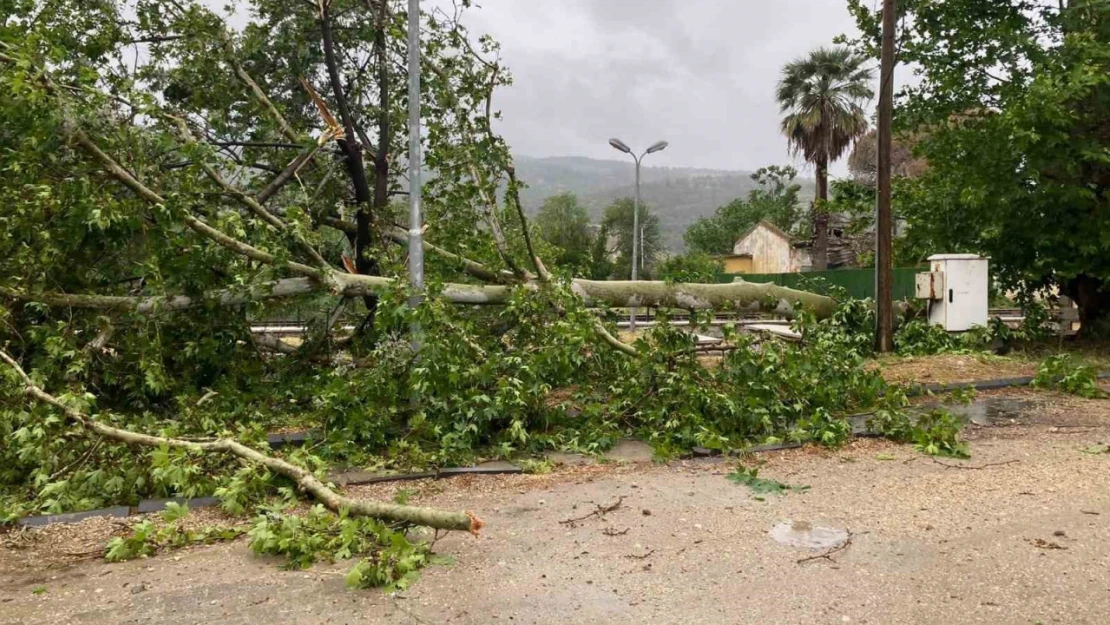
917,390
360,479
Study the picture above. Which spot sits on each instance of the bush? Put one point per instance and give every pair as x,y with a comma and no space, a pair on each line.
1065,373
691,268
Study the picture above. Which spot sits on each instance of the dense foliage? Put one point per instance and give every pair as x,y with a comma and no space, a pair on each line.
1009,104
158,204
565,224
774,199
617,226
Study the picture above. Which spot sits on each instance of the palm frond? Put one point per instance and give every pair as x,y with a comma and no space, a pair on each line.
821,96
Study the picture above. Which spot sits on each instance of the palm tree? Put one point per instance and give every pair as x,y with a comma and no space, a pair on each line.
821,96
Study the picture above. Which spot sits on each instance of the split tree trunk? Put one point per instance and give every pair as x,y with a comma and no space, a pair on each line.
365,262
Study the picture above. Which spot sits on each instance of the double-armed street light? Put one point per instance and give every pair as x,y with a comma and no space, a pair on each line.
637,235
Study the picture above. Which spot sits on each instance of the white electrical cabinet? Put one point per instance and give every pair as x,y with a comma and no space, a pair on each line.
957,289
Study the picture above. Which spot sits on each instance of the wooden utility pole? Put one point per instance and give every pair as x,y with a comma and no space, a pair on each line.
884,223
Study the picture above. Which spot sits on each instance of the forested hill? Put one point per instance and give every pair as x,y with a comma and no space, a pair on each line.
679,195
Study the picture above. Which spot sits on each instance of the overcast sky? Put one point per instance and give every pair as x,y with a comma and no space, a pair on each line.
698,73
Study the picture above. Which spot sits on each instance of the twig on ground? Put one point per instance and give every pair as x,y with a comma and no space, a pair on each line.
633,556
982,466
829,554
1041,543
609,531
95,553
599,512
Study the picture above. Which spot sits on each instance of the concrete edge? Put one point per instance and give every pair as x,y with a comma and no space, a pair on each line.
916,390
73,517
340,480
145,506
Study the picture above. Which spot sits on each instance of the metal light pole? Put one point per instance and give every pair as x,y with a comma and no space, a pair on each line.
636,233
884,226
416,231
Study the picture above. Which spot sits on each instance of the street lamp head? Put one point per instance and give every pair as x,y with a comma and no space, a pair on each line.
657,147
620,145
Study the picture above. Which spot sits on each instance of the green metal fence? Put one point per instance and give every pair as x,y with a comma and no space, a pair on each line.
860,283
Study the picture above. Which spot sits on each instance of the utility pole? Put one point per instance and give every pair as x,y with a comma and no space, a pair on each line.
884,223
416,222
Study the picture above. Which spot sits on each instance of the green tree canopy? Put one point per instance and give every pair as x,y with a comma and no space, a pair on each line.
1014,99
775,199
564,223
617,223
821,97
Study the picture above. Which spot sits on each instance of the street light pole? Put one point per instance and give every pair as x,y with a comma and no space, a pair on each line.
416,220
416,243
637,234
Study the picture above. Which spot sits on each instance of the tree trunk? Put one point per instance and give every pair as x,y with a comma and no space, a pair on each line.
736,296
1092,296
821,218
365,263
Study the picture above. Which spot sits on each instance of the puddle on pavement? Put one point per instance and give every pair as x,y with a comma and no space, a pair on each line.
984,411
988,410
805,535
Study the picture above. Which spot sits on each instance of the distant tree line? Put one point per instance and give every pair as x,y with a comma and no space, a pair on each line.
602,251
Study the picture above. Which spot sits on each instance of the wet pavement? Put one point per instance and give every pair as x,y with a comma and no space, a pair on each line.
988,411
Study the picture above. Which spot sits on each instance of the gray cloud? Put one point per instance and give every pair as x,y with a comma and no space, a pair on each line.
698,73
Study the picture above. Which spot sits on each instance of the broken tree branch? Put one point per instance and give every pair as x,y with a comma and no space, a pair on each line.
400,236
489,209
599,511
514,194
288,173
305,480
259,94
115,170
252,204
970,468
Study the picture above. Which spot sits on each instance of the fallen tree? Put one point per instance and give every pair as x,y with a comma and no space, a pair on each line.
157,209
735,296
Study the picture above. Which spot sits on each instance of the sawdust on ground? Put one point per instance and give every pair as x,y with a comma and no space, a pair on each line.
949,368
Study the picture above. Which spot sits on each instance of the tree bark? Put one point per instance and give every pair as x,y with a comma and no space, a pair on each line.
365,263
821,217
1092,297
305,480
737,296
